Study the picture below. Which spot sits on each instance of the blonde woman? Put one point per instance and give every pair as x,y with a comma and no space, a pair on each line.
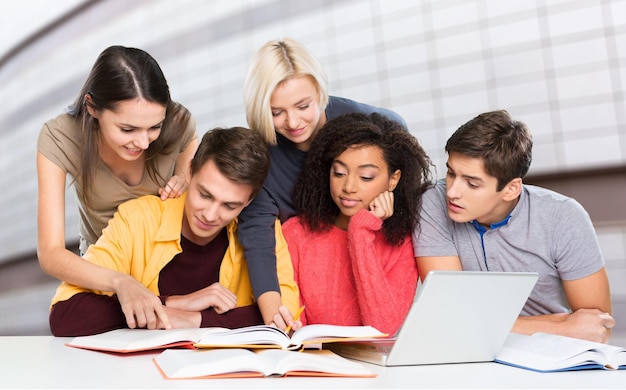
286,100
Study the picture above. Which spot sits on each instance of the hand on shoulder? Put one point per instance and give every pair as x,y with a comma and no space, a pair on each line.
174,188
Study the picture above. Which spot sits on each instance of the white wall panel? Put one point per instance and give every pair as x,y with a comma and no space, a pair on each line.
557,65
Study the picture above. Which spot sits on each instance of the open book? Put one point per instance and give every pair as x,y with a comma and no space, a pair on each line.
241,363
545,352
259,336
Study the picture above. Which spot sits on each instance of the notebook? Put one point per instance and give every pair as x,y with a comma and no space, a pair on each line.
456,317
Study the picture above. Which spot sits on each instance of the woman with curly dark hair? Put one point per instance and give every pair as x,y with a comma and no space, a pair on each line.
358,201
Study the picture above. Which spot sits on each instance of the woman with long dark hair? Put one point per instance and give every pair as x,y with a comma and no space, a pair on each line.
122,138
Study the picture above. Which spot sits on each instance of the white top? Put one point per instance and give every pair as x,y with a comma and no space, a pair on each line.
45,362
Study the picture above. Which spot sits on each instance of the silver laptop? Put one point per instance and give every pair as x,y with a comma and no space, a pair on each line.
456,317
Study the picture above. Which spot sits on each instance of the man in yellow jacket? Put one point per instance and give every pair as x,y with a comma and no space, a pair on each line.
184,251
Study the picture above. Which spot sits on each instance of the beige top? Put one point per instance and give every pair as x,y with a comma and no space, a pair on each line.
60,142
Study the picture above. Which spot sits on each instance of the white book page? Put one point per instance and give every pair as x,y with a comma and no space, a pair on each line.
260,334
547,351
135,339
180,363
316,332
312,361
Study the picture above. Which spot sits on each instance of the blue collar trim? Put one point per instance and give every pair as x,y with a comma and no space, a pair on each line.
481,229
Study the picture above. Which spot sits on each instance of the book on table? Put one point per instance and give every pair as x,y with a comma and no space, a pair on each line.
258,336
545,352
243,363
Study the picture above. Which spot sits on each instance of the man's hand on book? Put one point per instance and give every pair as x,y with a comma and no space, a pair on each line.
141,307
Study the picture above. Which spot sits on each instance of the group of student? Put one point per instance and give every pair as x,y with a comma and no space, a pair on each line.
323,202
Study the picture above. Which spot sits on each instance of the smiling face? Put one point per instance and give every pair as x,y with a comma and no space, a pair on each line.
296,111
472,195
127,131
357,176
213,201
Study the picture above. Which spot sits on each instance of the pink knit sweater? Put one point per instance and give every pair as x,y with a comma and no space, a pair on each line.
352,277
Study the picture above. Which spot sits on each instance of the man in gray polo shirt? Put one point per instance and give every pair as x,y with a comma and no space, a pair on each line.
483,218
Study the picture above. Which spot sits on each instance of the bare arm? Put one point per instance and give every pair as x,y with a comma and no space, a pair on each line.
446,263
590,300
178,183
216,296
269,302
56,260
213,305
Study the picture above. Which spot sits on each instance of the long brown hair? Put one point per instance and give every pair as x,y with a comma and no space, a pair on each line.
122,73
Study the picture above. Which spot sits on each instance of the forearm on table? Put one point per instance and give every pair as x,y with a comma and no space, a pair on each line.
588,324
550,323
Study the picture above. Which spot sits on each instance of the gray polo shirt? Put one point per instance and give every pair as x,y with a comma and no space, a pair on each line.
546,232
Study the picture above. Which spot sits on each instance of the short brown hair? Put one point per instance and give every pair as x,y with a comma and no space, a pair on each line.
505,145
239,153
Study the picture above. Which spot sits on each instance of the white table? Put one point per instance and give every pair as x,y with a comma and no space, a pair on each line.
45,362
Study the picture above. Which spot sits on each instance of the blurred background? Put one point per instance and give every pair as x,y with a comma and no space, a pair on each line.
559,66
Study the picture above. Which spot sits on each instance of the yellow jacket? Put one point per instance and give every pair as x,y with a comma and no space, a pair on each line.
144,235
